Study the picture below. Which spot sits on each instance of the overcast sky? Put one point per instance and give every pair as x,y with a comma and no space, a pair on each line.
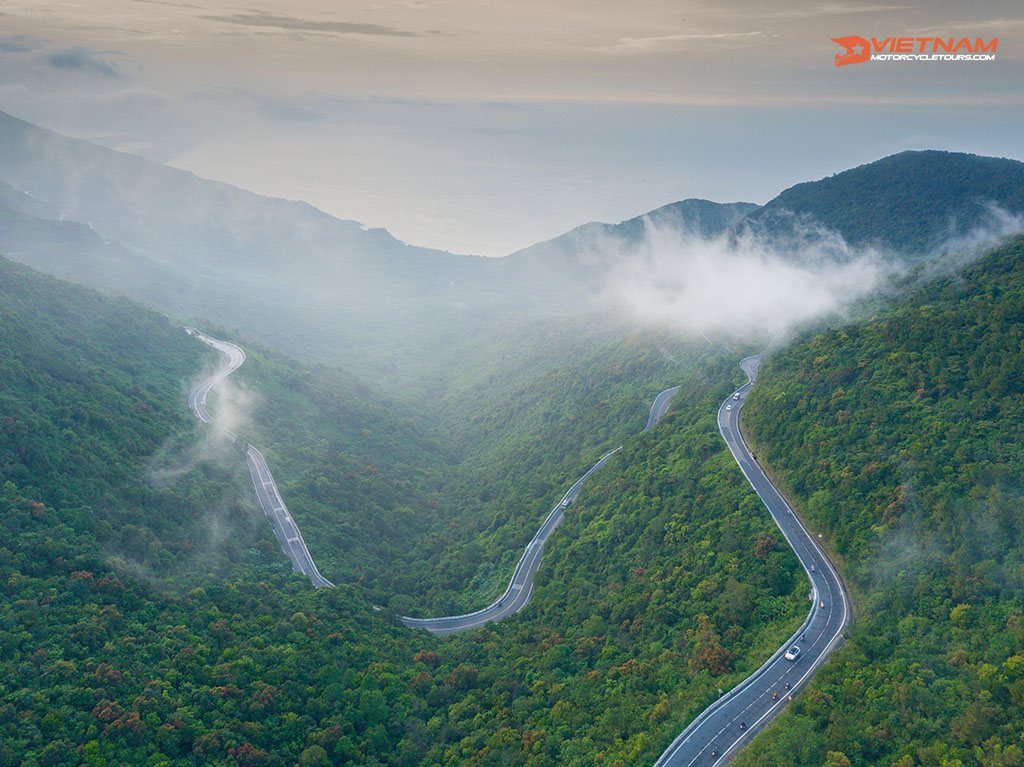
482,127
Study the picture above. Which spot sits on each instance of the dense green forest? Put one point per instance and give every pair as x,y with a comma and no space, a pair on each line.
430,511
361,473
149,617
902,437
93,422
665,583
908,203
103,668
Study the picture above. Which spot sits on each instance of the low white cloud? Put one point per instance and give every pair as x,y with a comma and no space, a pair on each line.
996,224
679,41
750,282
962,246
232,405
743,284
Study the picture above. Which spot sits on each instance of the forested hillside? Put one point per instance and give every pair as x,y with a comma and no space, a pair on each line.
520,450
902,438
907,204
93,423
149,617
429,512
362,474
665,583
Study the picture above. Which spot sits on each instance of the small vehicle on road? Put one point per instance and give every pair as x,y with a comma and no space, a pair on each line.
736,395
792,653
728,407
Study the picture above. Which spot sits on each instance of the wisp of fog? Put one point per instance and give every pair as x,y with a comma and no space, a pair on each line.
749,281
741,283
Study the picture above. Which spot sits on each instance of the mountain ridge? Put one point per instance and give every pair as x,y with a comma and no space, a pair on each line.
327,289
911,202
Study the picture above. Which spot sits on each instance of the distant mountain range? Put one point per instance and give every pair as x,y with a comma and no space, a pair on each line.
329,289
199,248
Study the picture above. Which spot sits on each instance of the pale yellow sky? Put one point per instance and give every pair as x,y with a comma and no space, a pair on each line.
651,49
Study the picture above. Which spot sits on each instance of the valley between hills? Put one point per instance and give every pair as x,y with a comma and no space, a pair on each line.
426,414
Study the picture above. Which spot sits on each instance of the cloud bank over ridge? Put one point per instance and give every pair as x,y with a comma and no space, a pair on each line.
738,284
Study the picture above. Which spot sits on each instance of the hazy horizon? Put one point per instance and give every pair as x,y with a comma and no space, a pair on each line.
485,129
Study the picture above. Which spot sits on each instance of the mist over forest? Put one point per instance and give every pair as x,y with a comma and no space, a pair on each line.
424,413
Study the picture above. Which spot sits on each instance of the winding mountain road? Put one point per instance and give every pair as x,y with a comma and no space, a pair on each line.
267,494
725,726
728,724
519,590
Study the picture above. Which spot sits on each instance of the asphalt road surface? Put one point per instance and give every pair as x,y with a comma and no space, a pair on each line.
729,723
520,588
267,494
660,407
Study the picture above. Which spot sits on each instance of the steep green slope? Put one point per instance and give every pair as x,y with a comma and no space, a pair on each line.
93,423
430,512
664,584
902,438
909,202
524,445
362,474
